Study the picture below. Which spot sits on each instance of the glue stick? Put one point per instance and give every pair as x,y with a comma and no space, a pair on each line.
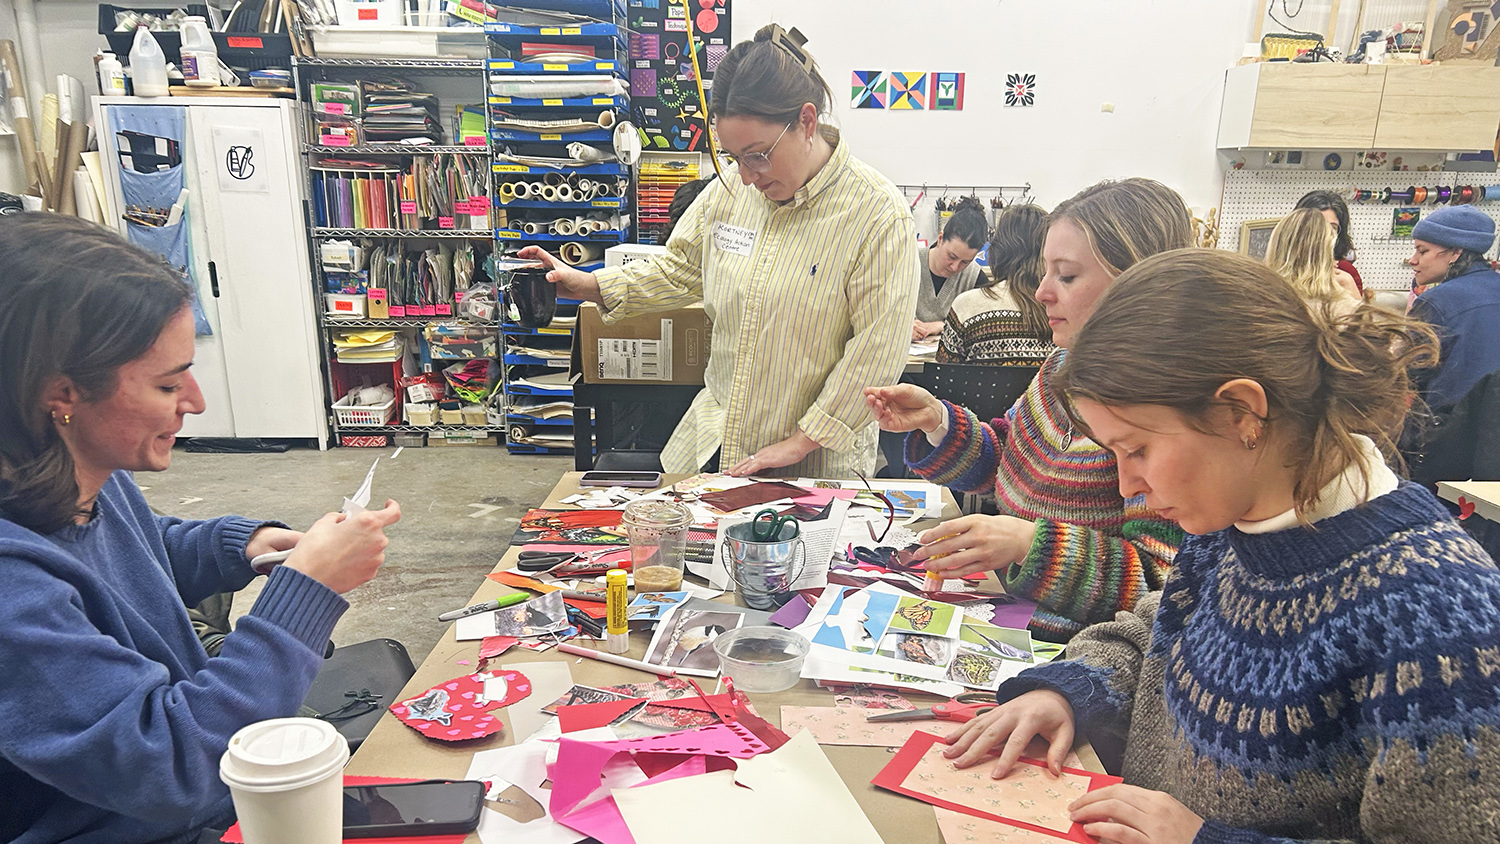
617,625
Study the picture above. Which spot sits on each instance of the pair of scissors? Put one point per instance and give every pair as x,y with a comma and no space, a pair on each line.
569,562
766,526
964,708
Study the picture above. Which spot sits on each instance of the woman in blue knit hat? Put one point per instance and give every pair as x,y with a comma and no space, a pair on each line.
1323,661
1460,298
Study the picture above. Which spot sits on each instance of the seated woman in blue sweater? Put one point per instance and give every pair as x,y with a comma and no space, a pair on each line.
1324,659
114,717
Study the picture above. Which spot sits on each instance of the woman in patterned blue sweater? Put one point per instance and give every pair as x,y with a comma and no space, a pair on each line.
1323,662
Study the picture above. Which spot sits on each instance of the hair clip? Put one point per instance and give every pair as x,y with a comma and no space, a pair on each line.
792,42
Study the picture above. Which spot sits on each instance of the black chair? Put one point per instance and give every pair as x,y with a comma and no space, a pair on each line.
989,391
604,440
354,674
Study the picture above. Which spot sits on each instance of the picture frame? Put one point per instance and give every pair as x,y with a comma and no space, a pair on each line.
1255,237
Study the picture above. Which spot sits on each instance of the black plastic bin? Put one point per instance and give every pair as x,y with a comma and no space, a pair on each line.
240,50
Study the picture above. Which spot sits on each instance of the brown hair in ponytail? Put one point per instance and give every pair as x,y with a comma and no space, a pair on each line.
1175,327
771,78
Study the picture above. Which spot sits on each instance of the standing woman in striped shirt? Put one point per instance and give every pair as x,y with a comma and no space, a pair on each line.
1065,539
805,259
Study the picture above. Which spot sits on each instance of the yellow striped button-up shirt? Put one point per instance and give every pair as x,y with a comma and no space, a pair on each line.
811,302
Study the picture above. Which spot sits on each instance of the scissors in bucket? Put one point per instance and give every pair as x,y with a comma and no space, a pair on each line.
962,709
766,526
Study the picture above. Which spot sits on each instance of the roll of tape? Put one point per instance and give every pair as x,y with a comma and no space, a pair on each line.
1419,195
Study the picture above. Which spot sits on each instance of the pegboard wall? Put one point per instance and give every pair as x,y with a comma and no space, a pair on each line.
1381,258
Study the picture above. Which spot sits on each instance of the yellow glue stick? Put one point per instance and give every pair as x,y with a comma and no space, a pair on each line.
617,623
933,582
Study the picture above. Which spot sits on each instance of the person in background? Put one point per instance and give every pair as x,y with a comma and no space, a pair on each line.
682,199
1461,299
1301,251
117,717
1321,664
1066,538
948,269
810,279
1001,322
1336,211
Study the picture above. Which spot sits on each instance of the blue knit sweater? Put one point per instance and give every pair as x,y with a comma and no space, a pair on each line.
1339,682
114,718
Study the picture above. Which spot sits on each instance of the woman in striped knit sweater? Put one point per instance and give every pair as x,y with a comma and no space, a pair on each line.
1324,661
1066,539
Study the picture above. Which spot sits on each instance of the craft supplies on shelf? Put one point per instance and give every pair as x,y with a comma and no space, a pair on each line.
557,100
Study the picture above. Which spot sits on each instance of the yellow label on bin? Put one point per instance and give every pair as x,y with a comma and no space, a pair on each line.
552,102
554,67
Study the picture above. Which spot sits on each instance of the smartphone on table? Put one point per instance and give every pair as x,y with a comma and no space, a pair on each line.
643,480
413,808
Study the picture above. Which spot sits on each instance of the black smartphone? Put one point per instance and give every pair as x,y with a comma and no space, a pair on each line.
644,480
414,808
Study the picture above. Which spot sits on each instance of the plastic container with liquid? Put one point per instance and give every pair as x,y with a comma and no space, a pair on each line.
148,66
200,57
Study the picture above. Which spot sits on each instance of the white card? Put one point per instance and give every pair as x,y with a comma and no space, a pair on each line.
736,239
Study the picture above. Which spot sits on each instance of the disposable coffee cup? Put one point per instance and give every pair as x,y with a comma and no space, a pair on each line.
286,778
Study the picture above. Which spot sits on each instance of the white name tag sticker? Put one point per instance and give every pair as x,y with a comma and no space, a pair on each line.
734,239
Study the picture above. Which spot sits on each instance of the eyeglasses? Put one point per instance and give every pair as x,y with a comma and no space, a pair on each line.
758,162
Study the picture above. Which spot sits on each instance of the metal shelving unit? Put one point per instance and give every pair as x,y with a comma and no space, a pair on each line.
306,70
609,39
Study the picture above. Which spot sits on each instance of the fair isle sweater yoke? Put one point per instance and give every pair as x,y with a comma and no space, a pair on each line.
1095,553
1339,682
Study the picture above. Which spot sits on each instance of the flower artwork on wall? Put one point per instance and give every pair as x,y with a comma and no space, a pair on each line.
1020,89
868,89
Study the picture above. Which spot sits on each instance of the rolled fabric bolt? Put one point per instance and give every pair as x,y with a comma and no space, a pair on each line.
548,193
565,193
574,253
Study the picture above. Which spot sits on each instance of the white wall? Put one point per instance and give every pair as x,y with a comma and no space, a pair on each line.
1160,62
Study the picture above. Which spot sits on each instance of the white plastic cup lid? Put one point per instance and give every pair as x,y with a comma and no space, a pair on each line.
282,753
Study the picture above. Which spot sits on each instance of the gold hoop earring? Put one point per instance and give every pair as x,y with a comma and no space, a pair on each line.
1251,443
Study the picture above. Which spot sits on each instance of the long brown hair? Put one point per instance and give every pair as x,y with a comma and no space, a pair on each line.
770,77
76,301
1015,257
1301,251
1128,220
1174,328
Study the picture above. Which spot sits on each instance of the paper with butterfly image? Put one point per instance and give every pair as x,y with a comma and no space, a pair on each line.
883,629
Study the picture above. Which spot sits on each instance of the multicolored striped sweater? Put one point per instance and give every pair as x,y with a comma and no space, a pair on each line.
1095,553
1338,682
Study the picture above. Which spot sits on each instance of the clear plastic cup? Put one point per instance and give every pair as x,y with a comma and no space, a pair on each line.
658,543
762,659
286,778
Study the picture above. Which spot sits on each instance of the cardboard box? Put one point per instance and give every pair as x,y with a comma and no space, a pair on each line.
663,348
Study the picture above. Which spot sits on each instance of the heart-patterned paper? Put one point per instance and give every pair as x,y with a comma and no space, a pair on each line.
457,710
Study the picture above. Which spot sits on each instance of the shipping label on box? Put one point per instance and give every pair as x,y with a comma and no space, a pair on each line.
637,360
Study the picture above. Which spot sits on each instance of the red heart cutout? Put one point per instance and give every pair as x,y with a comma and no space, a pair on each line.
1465,508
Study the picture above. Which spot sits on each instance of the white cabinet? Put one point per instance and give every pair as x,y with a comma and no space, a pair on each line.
260,369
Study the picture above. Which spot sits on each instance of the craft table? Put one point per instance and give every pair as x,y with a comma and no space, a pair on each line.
1484,495
395,750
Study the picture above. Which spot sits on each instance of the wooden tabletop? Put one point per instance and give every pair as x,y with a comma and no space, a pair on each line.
395,750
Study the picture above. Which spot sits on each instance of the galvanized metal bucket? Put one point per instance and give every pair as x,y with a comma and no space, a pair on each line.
764,571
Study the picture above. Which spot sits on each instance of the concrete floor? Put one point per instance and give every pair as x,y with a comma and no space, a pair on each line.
439,551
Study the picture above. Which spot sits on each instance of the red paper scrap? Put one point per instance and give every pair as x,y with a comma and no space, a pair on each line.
451,712
893,777
587,716
493,646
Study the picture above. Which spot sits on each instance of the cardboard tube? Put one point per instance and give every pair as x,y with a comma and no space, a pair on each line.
78,137
36,169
